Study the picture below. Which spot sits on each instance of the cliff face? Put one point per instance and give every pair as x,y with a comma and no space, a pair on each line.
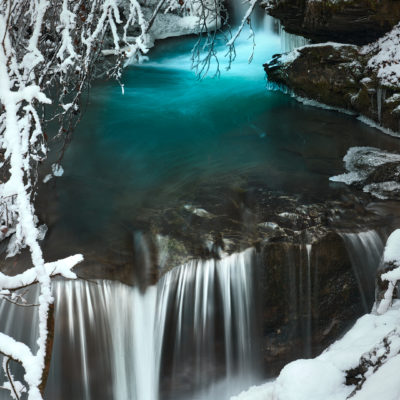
346,21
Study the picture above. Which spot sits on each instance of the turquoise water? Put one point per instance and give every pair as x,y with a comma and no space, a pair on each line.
171,132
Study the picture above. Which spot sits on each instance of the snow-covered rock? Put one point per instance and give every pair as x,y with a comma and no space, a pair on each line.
377,171
374,337
361,80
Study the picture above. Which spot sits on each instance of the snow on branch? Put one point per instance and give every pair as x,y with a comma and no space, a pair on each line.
29,277
245,20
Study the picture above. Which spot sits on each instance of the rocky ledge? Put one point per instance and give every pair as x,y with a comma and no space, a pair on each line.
307,292
347,21
360,80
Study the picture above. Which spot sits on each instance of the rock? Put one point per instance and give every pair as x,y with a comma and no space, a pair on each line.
346,21
341,77
305,303
373,170
295,298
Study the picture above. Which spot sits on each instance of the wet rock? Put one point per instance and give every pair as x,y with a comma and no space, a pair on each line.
347,21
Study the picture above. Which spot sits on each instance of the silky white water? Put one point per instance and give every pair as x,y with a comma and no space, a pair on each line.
365,250
191,336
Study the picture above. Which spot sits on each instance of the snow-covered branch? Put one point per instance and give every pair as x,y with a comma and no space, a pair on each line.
29,277
246,20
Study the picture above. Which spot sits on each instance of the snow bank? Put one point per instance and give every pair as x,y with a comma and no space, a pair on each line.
384,384
391,258
323,378
297,381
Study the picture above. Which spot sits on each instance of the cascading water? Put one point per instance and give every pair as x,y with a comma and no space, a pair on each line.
365,250
309,305
289,41
211,314
191,336
301,284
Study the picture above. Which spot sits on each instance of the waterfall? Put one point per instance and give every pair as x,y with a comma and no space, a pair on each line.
365,250
309,306
210,307
189,336
380,96
289,41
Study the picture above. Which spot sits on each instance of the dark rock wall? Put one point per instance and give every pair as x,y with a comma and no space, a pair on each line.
346,21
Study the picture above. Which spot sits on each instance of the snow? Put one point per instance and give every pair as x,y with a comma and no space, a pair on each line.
375,125
385,60
171,25
360,162
57,170
393,99
392,248
297,381
384,384
382,190
315,103
323,377
47,178
391,257
290,56
61,267
18,387
269,225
